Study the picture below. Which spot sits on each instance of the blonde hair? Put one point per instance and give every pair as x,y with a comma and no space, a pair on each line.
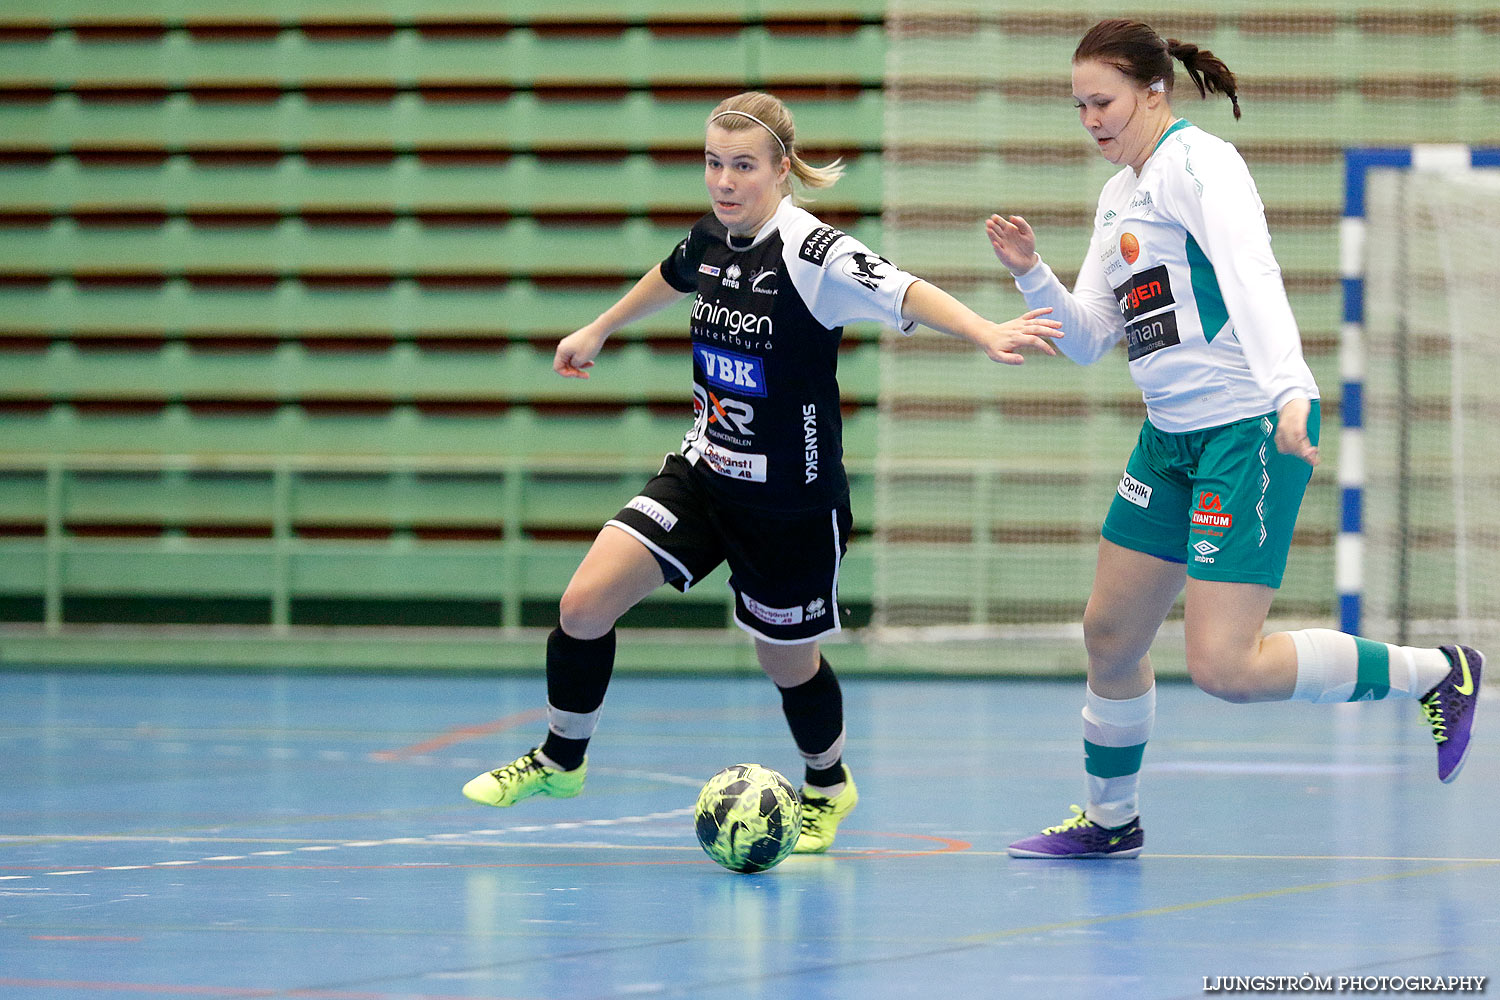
754,109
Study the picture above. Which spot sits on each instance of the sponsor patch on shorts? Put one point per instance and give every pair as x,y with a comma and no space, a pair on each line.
1134,490
772,616
655,511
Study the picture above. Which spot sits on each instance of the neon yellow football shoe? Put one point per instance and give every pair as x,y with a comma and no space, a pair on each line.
522,778
821,816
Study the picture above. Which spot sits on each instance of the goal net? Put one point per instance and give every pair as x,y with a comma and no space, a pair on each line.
1432,406
991,481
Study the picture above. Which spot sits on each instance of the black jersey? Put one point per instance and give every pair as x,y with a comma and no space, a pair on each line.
766,325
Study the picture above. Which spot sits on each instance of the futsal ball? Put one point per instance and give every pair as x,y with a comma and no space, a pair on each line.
748,818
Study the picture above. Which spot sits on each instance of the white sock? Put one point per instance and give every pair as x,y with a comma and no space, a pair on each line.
1335,666
573,725
828,758
1114,738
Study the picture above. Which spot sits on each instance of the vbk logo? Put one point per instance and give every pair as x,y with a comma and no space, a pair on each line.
745,375
1130,247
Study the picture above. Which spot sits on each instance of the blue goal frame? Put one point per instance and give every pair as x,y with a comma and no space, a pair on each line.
1349,549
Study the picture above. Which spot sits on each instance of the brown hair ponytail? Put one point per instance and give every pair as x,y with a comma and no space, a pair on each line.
1206,70
1135,49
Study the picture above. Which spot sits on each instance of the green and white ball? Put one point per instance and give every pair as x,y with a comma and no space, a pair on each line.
748,818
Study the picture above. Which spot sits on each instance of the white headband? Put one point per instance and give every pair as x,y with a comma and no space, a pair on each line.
1159,85
757,121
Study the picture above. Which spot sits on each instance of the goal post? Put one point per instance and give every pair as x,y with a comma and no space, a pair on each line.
990,483
1419,468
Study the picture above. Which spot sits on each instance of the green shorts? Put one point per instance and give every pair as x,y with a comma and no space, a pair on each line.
1222,500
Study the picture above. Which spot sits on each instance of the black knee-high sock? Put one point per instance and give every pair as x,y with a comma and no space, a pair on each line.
578,672
815,712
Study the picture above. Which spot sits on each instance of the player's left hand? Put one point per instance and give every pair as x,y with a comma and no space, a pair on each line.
1291,431
1002,342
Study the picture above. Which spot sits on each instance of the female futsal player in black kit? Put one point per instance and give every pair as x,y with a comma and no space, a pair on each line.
759,481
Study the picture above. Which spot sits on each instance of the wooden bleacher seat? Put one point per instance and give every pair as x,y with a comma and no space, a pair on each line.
200,203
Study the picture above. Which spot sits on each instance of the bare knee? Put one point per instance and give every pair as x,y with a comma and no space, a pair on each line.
1114,645
585,614
1225,674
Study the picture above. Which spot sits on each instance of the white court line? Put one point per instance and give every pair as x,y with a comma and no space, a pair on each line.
436,839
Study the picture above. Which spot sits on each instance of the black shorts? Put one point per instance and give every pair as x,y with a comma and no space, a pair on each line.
783,568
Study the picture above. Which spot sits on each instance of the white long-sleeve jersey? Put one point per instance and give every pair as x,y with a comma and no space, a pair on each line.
1180,265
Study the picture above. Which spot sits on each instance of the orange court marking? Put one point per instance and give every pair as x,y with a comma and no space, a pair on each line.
950,846
460,734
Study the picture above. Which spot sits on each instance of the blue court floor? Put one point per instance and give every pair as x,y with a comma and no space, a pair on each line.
304,837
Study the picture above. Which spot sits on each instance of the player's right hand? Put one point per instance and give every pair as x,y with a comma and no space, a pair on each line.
576,353
1013,241
1004,341
1291,431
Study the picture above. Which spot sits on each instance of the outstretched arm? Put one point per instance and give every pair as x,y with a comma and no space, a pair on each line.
576,351
929,305
1088,314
